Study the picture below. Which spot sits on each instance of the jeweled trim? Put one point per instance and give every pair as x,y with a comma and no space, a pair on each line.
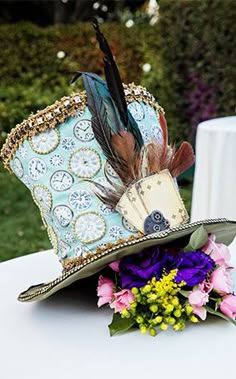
56,114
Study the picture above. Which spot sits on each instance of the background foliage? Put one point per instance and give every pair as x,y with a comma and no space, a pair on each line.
190,50
193,73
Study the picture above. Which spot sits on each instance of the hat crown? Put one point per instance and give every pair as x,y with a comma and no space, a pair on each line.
58,160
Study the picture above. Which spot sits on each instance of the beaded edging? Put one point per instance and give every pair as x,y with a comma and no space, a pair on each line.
56,113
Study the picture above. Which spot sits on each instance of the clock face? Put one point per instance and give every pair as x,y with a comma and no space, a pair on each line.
36,168
128,226
42,197
136,110
110,171
45,142
83,130
63,214
85,163
80,199
115,232
64,249
157,133
89,227
61,181
17,167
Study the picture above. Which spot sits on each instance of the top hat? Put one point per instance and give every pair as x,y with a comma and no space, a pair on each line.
100,169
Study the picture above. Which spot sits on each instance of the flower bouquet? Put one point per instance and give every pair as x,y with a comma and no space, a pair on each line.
170,285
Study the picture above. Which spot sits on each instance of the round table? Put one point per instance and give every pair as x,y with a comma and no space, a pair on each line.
66,336
215,173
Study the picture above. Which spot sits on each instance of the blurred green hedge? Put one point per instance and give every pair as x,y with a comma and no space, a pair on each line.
191,52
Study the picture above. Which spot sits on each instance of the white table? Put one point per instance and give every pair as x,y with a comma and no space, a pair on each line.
67,337
215,173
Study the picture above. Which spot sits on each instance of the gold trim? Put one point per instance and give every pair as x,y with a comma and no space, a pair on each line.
53,238
72,262
56,113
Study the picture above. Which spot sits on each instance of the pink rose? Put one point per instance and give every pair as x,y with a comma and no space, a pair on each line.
220,279
200,312
198,298
104,290
122,300
228,306
115,265
218,251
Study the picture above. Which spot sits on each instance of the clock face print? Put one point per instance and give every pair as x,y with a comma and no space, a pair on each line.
89,227
85,163
61,181
68,143
106,209
150,111
42,197
45,142
136,110
64,249
115,232
56,160
81,250
36,168
63,214
17,167
80,199
110,171
83,130
128,226
23,152
157,133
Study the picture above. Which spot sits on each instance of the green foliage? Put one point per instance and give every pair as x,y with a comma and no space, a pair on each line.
190,51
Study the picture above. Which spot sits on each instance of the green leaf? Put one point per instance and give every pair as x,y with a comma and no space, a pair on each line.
219,314
197,239
120,324
184,293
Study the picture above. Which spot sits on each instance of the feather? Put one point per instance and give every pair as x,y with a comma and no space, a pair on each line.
116,89
106,124
124,144
182,159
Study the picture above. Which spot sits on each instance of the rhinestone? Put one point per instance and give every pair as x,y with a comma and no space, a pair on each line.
30,125
49,116
67,103
77,99
137,91
57,111
40,120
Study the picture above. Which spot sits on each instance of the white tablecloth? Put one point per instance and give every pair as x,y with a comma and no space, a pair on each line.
215,173
66,336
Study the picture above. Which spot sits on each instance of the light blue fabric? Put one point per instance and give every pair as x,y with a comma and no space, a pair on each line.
44,172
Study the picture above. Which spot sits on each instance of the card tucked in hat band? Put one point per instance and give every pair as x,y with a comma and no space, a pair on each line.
101,171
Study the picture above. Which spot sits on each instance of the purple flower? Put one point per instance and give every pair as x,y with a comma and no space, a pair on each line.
192,266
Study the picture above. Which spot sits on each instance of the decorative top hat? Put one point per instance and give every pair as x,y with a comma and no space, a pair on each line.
100,169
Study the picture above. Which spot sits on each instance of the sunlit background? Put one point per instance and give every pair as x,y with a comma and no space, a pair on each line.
183,51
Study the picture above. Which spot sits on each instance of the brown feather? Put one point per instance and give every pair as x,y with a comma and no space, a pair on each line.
155,152
182,159
164,130
123,144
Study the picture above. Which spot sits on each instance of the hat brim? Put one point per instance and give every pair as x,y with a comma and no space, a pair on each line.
223,229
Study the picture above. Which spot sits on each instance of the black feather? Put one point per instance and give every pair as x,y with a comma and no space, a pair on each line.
116,89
